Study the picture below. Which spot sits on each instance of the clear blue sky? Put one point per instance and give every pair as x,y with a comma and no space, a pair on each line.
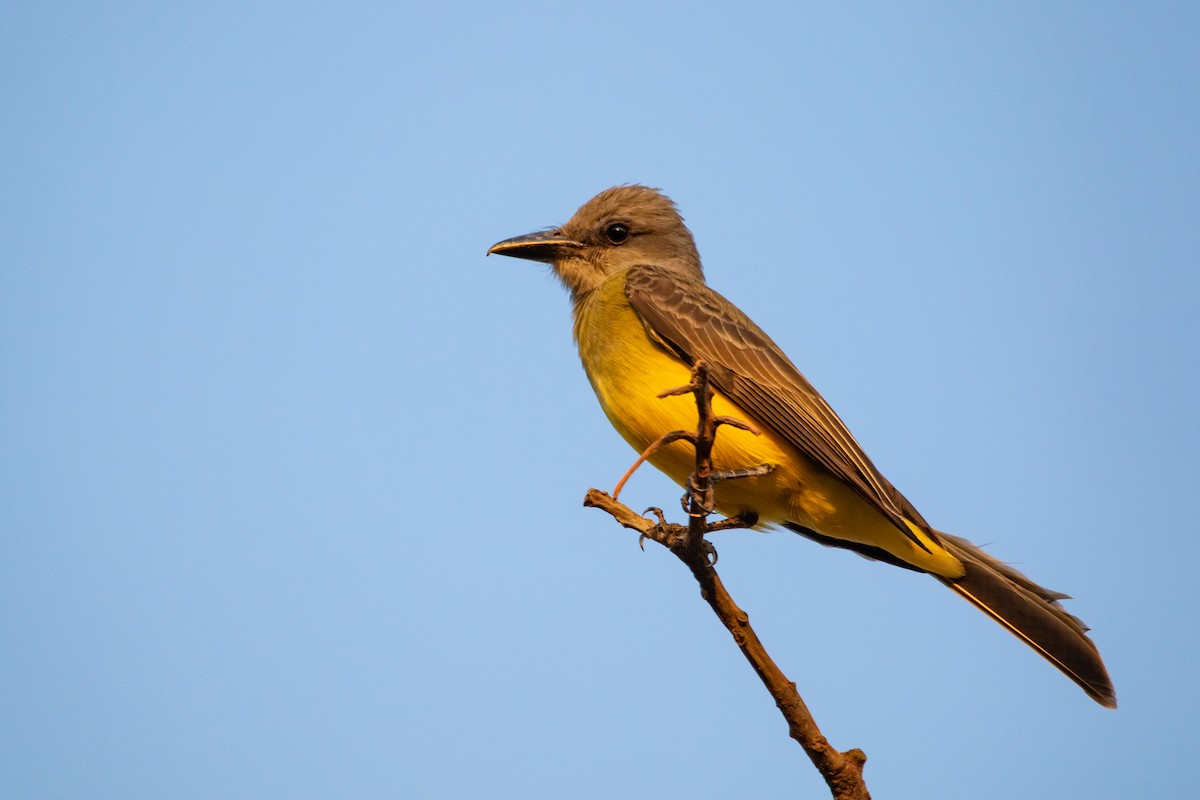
290,474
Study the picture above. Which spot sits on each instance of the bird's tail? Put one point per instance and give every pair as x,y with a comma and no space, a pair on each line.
1033,614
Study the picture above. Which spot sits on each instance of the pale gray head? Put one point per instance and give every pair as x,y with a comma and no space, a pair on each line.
616,229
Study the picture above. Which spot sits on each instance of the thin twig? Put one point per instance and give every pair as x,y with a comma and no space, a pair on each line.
654,447
842,771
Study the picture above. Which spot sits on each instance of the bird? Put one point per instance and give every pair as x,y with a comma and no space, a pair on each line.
644,316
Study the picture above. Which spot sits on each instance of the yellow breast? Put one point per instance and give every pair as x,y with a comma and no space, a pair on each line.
627,370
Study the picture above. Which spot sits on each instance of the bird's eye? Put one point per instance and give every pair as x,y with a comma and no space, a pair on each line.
617,232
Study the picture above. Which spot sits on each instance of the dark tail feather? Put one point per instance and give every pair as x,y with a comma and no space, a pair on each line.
1033,614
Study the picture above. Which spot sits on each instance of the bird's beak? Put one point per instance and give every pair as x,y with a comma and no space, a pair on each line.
547,246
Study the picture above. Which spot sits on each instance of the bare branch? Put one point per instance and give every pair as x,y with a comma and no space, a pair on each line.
842,770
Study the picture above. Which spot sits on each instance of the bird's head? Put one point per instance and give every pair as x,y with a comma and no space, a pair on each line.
615,230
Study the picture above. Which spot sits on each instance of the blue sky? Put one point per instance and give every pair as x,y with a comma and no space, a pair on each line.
291,474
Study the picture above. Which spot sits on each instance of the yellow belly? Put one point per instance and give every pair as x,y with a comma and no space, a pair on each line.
627,370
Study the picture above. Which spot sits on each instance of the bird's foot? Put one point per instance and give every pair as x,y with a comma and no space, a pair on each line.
660,532
698,502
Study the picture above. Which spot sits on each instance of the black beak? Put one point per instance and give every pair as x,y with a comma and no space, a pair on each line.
547,246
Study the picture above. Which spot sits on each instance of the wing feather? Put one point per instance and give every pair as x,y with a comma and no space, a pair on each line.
696,323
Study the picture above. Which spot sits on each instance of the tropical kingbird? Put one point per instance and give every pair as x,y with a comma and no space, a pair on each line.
644,315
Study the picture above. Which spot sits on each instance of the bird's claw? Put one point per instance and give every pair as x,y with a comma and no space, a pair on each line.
662,523
657,512
697,503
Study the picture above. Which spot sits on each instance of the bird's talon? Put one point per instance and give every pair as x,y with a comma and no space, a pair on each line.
658,514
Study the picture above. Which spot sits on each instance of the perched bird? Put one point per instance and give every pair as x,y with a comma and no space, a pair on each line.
644,315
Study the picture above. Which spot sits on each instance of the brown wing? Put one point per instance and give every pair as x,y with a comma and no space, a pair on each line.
696,323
